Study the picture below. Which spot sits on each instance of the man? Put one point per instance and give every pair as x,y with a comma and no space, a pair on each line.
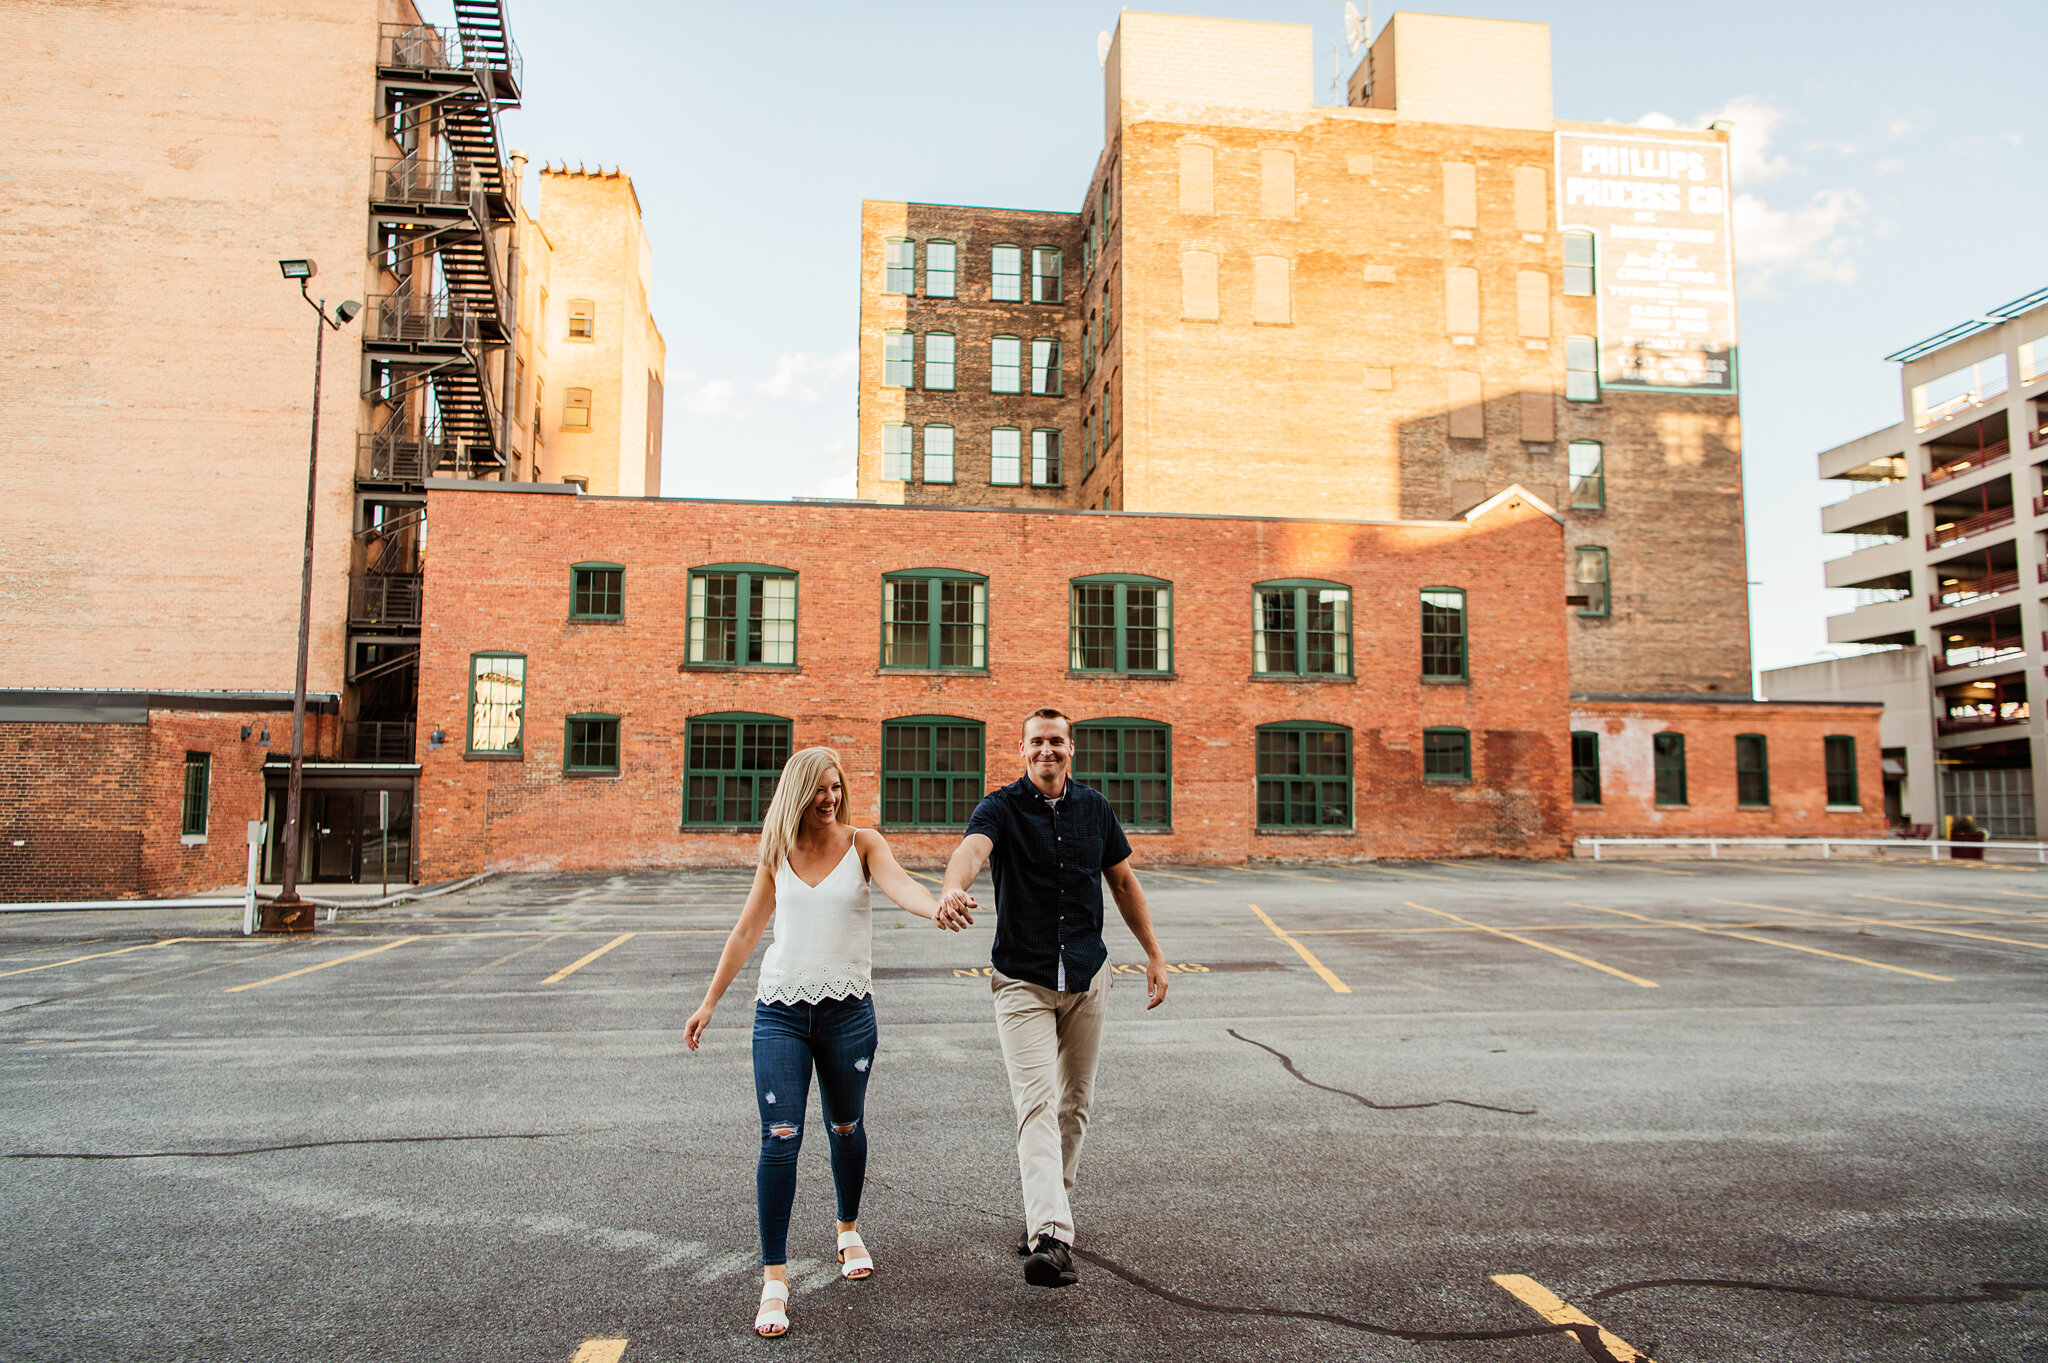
1053,842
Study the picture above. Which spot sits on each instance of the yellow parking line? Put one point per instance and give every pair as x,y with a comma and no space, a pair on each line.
1527,927
1887,923
2021,894
123,951
1557,1311
921,875
1555,951
1769,942
1313,964
1502,870
1178,875
1419,875
1635,865
1936,904
307,970
566,971
599,1351
1267,871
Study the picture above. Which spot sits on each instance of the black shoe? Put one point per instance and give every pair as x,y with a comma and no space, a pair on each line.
1050,1265
1023,1245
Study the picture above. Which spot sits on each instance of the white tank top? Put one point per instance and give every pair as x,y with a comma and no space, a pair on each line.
824,936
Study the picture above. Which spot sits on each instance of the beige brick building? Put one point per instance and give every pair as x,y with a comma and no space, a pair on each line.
1387,310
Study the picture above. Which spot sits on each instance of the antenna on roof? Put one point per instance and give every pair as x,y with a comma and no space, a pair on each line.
1102,49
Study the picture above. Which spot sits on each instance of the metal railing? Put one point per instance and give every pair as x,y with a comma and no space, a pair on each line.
1714,845
1965,593
378,740
410,317
387,457
1969,463
2037,437
1994,652
1973,525
1956,724
423,47
410,180
385,599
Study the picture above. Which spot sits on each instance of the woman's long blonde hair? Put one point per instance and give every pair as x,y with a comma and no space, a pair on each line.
793,792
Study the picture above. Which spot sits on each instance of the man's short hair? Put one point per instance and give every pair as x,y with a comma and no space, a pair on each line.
1047,712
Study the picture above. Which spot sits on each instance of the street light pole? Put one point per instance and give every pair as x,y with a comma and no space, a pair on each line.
289,913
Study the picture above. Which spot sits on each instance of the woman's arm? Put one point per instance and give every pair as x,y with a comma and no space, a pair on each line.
746,934
892,879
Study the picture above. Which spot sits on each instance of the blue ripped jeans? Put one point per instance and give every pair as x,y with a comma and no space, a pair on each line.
837,1037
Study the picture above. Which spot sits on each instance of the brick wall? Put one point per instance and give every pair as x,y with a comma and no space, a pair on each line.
1794,732
501,583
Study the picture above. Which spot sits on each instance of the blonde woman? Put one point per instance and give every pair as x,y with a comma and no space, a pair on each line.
812,1009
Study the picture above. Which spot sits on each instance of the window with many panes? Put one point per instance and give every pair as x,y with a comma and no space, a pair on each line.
1585,767
590,743
1752,770
742,614
1667,754
730,765
940,269
899,351
896,451
1446,754
899,265
935,618
597,591
1304,776
1005,456
1045,275
1840,751
1131,762
931,771
1301,628
1444,654
1590,572
938,361
1581,369
1121,623
1045,458
1578,265
1045,367
1006,365
1588,466
1006,274
938,454
497,704
1087,446
198,785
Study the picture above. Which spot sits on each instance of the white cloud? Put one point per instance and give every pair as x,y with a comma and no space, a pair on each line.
1810,242
800,374
844,483
1656,120
708,399
1755,121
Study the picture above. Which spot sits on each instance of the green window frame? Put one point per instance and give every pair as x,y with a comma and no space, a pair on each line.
899,265
941,266
590,743
1581,369
1120,622
1303,775
1131,762
597,591
1045,367
896,442
1445,641
935,619
1667,759
1045,458
1840,753
1446,753
933,770
1585,767
742,615
1301,627
1006,274
1586,462
1752,771
1045,275
497,705
899,355
938,454
1579,265
198,787
1592,573
940,353
731,762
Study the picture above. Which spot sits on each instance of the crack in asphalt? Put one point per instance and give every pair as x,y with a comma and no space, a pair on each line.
1362,1099
1987,1292
293,1145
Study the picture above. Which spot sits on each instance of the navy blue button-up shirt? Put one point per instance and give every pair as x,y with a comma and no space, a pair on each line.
1048,863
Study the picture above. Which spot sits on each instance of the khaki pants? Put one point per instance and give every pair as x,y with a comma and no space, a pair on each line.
1050,1043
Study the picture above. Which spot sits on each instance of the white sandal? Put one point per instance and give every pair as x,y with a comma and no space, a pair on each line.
773,1320
856,1265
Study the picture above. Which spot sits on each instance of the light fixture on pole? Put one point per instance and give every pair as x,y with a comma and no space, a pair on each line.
289,913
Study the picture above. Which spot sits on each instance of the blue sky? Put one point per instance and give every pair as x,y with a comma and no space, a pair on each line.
1887,170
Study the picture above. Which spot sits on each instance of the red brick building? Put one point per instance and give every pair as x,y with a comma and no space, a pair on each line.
614,682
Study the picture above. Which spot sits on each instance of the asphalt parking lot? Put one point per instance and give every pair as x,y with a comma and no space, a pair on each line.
1418,1111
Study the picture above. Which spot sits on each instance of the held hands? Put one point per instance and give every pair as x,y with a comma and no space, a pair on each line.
693,1030
956,910
1155,983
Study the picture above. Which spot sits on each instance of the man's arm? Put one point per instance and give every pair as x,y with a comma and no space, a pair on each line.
956,906
1130,902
